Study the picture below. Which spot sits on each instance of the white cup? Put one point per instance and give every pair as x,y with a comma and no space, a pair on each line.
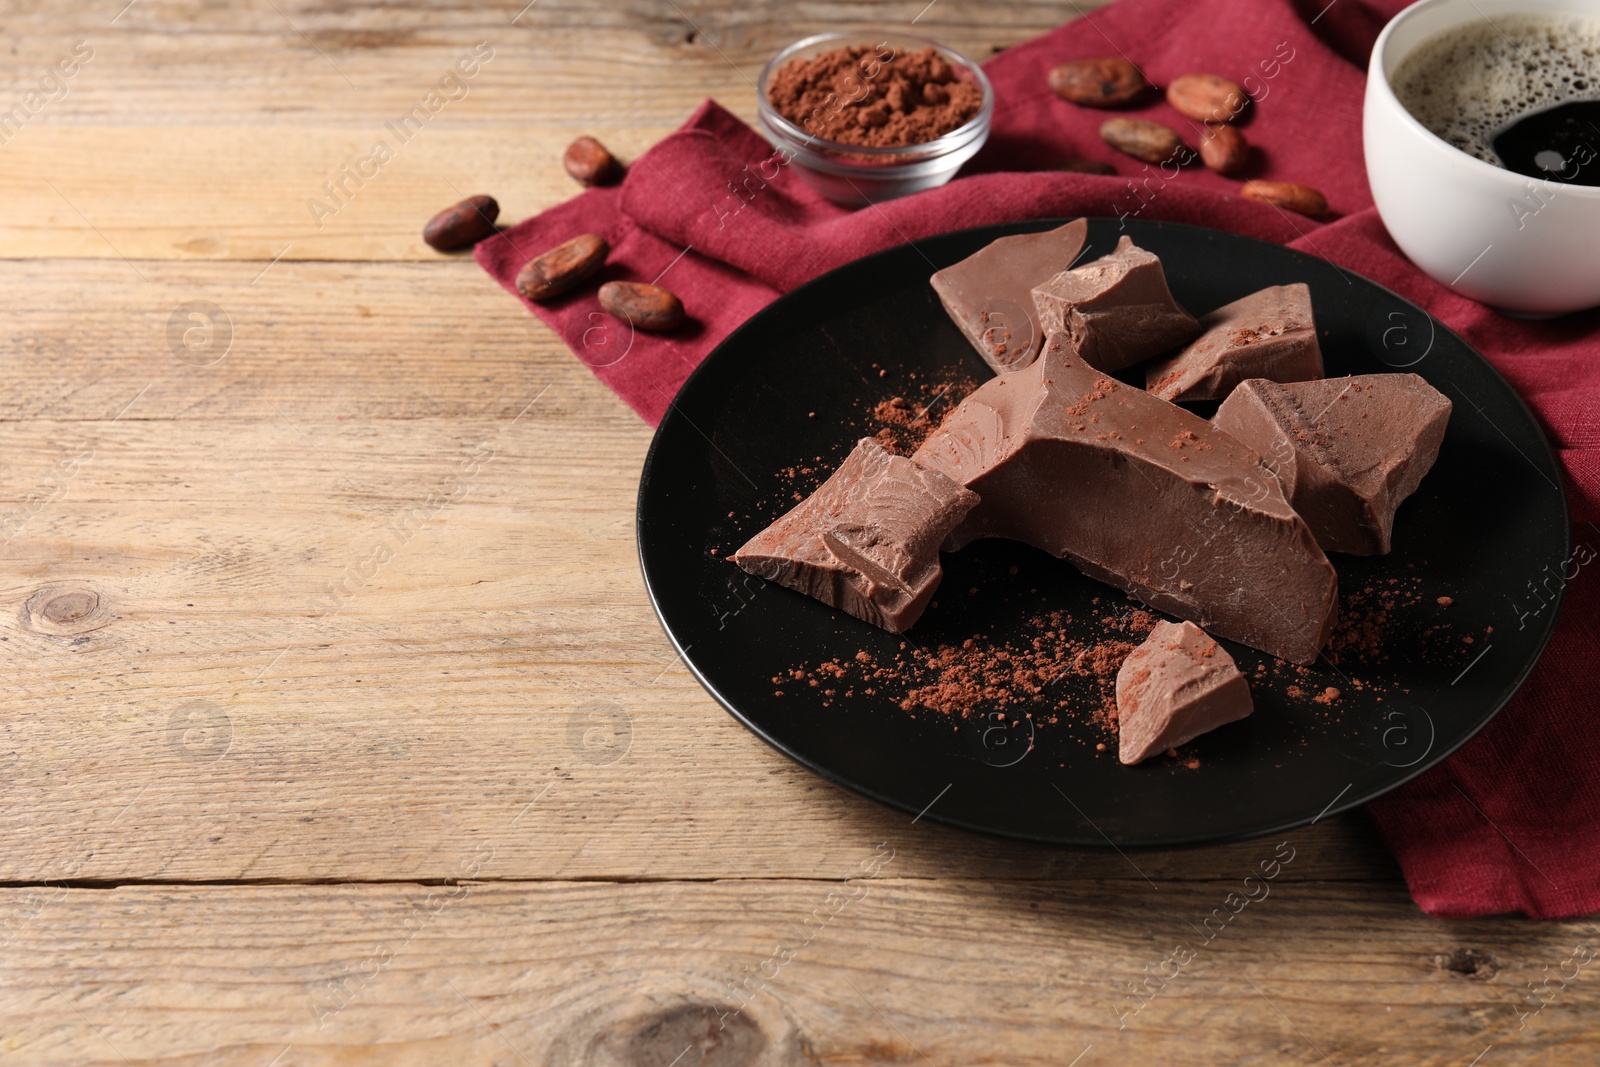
1526,245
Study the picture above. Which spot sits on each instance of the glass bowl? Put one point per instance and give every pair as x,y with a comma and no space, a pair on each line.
856,175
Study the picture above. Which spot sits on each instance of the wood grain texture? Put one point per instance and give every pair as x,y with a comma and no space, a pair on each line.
234,743
226,124
304,342
881,969
260,193
626,63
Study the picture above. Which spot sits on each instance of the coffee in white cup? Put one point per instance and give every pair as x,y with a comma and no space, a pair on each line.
1482,170
1521,92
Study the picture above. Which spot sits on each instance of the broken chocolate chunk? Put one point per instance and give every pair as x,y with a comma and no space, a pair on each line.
990,293
1141,494
1268,334
1347,450
1176,686
1116,310
867,541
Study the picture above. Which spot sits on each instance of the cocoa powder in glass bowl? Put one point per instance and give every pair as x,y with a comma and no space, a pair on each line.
869,122
853,95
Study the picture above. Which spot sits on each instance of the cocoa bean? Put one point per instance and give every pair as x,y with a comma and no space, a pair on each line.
462,224
649,307
562,268
1224,149
1290,196
1142,139
591,163
1098,82
1206,97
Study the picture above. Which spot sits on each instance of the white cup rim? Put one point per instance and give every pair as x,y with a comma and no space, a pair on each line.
1379,76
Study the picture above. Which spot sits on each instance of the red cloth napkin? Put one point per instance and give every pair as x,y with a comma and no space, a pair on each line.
1510,823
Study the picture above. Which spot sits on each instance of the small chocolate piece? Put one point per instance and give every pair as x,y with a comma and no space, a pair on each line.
867,540
1116,310
1140,494
1268,334
1176,686
990,293
1347,450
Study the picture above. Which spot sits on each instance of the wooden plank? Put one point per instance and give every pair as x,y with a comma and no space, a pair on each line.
299,62
316,342
782,974
263,111
260,193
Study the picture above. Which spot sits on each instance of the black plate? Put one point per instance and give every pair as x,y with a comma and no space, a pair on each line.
1487,528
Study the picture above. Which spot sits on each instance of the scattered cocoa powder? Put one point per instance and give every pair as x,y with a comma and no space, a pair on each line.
976,675
1367,620
905,421
875,96
896,416
1374,616
899,422
1050,676
895,411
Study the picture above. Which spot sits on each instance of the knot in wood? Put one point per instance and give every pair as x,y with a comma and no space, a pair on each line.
63,611
714,1035
1468,963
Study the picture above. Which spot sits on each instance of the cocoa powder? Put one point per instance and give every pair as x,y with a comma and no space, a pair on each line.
904,421
1018,676
874,96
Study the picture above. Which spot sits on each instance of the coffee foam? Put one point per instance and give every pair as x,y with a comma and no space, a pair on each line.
1471,81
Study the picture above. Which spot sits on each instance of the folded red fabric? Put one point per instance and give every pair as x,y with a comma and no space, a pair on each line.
1510,823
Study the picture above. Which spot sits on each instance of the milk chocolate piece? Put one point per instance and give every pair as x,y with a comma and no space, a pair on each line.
1268,334
867,540
1347,450
1116,310
1141,494
1176,686
990,293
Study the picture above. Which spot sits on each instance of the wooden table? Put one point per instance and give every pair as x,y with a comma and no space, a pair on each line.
337,728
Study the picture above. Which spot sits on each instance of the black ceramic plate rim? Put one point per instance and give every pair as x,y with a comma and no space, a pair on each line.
1338,806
